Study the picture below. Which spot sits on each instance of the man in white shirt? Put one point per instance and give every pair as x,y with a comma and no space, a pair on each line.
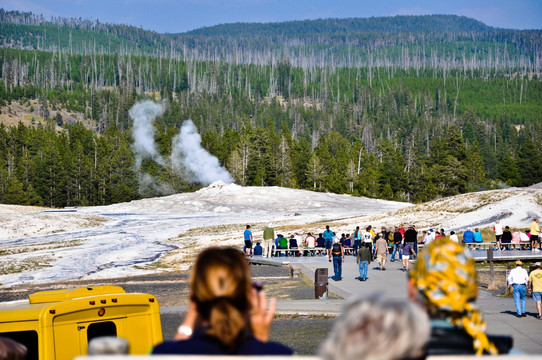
453,237
430,236
518,278
498,233
368,239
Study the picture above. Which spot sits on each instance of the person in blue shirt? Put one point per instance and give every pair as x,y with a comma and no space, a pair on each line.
258,250
468,236
320,243
477,235
328,236
248,241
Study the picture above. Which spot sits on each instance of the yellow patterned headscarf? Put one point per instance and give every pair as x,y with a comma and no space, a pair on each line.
445,277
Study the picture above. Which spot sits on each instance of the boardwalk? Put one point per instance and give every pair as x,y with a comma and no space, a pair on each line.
498,311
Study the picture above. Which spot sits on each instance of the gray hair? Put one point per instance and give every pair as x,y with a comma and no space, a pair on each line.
374,328
108,345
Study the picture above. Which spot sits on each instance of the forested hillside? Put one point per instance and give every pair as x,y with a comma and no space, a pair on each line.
385,125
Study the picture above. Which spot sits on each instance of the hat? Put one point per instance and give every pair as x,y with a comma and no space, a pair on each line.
537,264
519,263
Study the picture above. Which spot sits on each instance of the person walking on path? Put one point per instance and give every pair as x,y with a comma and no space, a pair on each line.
518,278
407,250
397,240
363,259
337,252
268,237
411,236
328,236
248,241
535,287
368,238
535,230
381,250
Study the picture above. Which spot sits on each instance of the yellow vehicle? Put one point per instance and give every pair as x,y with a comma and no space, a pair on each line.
59,324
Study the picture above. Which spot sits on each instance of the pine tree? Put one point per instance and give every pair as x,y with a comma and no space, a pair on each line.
508,171
15,193
529,163
474,164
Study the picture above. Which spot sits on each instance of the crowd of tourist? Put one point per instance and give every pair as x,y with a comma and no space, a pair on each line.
392,241
228,314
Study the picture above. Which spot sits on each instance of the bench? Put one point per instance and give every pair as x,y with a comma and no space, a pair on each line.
286,251
480,245
301,250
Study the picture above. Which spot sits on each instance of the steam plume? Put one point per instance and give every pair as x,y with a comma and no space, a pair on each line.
188,159
143,114
204,167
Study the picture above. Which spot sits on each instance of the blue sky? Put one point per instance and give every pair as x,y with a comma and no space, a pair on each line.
183,15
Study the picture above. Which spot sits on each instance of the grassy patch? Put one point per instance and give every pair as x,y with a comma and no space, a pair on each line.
21,249
28,264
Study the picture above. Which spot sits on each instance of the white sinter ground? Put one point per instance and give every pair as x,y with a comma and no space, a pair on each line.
39,245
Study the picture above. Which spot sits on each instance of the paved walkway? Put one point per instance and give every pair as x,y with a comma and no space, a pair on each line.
498,311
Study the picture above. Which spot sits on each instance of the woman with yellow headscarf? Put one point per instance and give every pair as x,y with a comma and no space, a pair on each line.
444,281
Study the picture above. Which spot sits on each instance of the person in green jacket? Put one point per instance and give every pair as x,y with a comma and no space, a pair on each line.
363,260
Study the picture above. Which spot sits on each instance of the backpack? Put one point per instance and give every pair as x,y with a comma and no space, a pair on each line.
336,250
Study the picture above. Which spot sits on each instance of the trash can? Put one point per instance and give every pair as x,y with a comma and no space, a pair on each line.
320,283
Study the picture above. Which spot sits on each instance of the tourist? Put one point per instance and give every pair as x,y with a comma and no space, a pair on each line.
363,259
248,241
443,280
328,236
535,287
226,314
477,236
468,236
337,255
320,243
381,250
397,241
411,236
497,228
519,278
268,236
377,328
516,239
347,244
453,237
357,241
506,238
424,234
407,250
258,250
402,230
309,243
535,230
293,245
368,239
427,238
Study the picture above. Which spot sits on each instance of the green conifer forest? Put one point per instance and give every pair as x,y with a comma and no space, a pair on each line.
444,106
